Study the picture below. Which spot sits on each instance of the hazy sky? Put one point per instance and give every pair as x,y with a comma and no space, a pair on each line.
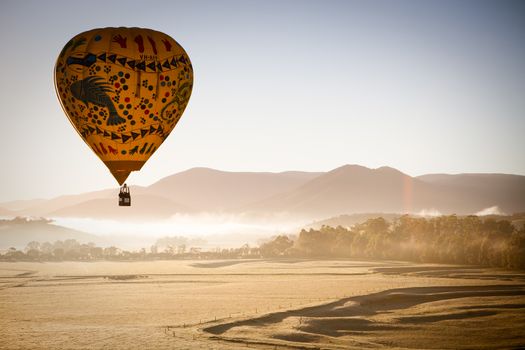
421,86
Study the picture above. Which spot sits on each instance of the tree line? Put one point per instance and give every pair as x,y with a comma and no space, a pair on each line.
449,239
72,250
446,239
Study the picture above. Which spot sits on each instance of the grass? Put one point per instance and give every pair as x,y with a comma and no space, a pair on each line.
258,304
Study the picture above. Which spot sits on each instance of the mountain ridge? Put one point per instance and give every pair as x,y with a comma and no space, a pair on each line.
347,189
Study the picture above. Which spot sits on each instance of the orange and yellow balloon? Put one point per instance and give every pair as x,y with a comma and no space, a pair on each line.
124,90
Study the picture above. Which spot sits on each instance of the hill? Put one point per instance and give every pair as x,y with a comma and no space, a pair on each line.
6,213
19,231
17,205
350,189
357,189
144,207
194,190
212,190
474,192
46,207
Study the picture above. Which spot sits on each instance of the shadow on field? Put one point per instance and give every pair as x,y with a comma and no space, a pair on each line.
474,272
342,315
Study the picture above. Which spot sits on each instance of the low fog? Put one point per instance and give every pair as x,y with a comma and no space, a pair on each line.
216,230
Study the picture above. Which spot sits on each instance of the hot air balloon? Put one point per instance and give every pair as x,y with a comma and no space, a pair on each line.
123,90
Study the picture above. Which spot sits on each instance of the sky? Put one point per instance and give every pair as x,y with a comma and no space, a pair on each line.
421,86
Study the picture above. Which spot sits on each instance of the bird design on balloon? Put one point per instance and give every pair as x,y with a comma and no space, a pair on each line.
94,90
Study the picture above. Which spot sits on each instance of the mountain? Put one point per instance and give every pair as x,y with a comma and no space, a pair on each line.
350,189
357,189
507,192
21,204
197,189
6,213
143,207
45,207
18,232
213,190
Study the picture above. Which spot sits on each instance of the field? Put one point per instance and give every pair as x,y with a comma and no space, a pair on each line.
259,304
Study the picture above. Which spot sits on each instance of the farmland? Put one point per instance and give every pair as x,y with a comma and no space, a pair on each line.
239,304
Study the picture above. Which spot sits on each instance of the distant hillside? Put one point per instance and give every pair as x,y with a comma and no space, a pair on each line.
353,189
507,192
21,204
6,213
144,207
350,220
212,190
350,189
357,189
46,207
198,189
18,232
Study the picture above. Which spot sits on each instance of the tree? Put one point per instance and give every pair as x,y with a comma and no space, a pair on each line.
277,247
33,245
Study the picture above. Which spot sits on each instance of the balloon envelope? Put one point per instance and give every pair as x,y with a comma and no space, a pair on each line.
124,90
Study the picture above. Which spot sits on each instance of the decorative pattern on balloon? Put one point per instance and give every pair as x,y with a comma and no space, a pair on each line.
124,90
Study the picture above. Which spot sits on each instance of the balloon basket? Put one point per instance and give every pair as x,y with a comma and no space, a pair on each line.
124,197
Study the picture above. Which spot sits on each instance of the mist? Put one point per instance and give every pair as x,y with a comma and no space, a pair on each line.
217,230
490,211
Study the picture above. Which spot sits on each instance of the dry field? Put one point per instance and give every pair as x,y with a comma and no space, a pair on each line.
258,304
